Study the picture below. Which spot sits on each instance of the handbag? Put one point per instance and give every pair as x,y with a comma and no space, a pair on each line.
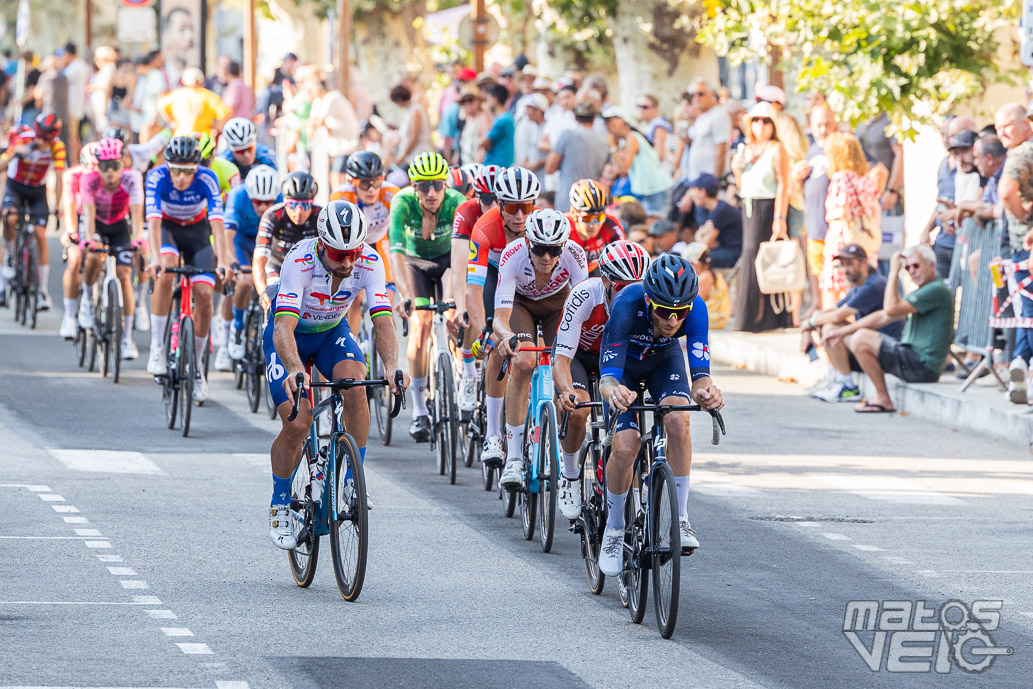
780,267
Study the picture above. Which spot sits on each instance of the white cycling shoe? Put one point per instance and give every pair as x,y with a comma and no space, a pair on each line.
129,350
611,554
200,388
689,542
156,363
511,475
281,530
86,321
223,360
235,346
491,454
68,327
467,394
570,498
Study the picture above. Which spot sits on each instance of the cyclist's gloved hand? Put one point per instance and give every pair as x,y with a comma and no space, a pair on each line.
508,348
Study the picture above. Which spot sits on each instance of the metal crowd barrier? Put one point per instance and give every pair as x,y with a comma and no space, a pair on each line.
976,247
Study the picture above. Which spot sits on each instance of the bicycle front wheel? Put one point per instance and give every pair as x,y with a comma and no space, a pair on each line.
303,513
448,411
113,328
253,360
186,371
594,521
80,344
665,547
548,477
349,520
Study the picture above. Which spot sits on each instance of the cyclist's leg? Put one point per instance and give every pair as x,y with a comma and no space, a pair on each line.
198,252
41,213
120,237
340,356
521,367
620,465
161,299
570,446
93,262
421,284
669,384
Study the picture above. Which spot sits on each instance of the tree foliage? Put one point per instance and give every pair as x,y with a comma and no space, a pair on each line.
914,59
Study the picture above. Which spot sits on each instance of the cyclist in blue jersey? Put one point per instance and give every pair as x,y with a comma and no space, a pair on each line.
642,343
244,208
184,213
242,147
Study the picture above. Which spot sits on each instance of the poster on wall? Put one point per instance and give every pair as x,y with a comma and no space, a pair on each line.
182,37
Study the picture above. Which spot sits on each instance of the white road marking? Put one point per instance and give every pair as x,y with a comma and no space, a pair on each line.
44,538
88,532
232,685
161,614
714,483
98,544
195,649
176,631
76,520
50,497
110,558
133,584
122,571
836,537
70,509
808,525
885,488
27,486
868,548
107,461
147,600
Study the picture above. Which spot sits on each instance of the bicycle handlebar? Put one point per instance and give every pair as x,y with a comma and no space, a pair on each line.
345,384
715,416
566,414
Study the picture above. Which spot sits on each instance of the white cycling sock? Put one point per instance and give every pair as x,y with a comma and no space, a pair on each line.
469,364
846,379
87,291
570,471
615,509
493,406
200,345
71,308
44,277
514,441
158,329
127,328
682,484
419,402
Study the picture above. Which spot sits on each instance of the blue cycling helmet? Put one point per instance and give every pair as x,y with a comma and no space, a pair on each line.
671,281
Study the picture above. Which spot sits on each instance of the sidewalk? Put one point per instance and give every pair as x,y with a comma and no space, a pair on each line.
982,409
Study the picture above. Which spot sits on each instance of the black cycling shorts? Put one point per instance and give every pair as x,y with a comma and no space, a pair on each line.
425,277
193,243
582,367
115,235
20,196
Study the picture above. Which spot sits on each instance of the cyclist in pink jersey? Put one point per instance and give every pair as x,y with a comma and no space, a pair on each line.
70,207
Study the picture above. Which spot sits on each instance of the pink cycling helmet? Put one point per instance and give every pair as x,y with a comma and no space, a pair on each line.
109,149
88,156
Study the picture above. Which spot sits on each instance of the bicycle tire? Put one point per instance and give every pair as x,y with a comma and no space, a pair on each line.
30,282
170,382
528,499
19,302
304,557
593,516
80,344
115,328
449,414
355,530
548,477
378,397
104,326
33,307
487,473
252,360
187,371
94,346
635,578
665,544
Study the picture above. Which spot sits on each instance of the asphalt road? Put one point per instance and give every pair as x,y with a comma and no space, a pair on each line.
133,557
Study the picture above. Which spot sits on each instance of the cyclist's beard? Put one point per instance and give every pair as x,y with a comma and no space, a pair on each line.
342,273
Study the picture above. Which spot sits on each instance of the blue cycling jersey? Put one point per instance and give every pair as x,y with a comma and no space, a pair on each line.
629,335
241,216
263,156
200,200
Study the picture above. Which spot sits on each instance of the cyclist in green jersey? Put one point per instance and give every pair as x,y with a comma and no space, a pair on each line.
420,236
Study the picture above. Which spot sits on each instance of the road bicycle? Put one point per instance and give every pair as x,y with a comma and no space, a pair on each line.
108,309
474,429
592,522
24,284
652,540
250,369
317,477
376,396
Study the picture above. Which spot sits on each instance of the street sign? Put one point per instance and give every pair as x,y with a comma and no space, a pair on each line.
21,28
136,25
487,32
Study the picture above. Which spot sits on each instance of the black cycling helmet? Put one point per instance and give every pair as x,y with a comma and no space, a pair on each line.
182,150
364,165
299,186
48,124
671,281
116,132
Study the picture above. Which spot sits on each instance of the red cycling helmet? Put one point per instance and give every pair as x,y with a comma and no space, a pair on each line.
48,124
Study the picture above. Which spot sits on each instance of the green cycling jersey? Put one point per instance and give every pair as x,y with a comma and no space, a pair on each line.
406,230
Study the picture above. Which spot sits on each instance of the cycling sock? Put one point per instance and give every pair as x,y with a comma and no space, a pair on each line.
682,484
44,277
158,329
70,306
225,325
493,407
87,291
281,491
238,318
846,379
615,509
127,328
200,345
570,465
514,441
419,402
469,369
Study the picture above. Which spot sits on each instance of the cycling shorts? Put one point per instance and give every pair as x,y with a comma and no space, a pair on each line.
326,349
527,313
18,195
425,277
193,243
664,375
115,234
244,250
582,367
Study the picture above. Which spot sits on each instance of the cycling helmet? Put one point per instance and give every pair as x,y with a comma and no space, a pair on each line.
88,156
341,225
182,150
460,180
109,149
484,180
48,124
116,132
623,261
587,196
299,186
239,133
472,169
516,185
206,144
428,166
262,183
671,281
547,227
364,165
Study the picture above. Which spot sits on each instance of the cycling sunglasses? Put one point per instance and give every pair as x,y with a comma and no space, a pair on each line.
426,185
546,250
246,149
666,312
366,184
182,169
591,218
524,207
341,255
486,198
109,165
297,205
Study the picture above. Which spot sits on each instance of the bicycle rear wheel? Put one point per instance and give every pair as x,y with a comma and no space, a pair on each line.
349,520
379,399
548,477
170,381
635,579
304,557
665,544
252,363
186,371
94,346
593,519
30,279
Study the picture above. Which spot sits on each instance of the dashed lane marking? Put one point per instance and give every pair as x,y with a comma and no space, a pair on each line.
71,509
161,614
195,649
176,631
50,497
122,571
868,548
107,461
98,545
836,537
133,584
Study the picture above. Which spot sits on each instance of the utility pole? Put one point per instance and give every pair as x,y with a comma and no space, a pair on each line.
250,43
89,26
344,35
480,34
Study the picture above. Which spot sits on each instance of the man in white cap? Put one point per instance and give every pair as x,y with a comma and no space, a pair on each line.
529,131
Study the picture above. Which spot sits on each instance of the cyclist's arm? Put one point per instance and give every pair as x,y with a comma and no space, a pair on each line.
71,226
58,151
459,261
258,264
697,327
285,321
215,216
136,201
153,210
476,275
504,296
379,300
89,218
136,221
396,252
576,309
613,352
561,375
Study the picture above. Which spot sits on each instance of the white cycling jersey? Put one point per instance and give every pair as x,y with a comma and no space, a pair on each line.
304,291
584,317
516,273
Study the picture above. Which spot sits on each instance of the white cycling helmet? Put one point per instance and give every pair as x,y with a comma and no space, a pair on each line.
547,227
262,183
624,261
517,185
341,225
240,133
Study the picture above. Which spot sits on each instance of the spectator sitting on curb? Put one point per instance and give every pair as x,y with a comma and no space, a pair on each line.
867,290
922,351
719,224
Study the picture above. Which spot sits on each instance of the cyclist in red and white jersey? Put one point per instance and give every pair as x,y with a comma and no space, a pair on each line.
577,346
591,227
536,273
70,208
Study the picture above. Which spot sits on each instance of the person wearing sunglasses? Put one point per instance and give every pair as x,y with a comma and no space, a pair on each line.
320,279
366,188
420,234
242,147
593,227
536,273
516,190
112,214
577,344
642,343
282,226
184,213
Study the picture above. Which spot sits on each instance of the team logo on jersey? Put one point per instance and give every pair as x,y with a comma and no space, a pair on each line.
305,260
290,295
701,351
332,300
473,251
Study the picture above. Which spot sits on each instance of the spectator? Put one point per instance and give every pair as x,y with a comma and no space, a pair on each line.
52,92
664,234
485,80
796,145
635,158
990,155
761,170
719,224
558,119
220,80
475,124
499,142
332,111
655,126
631,214
587,94
448,126
507,79
957,182
579,153
529,132
151,85
811,176
706,140
867,288
192,107
450,94
525,82
414,131
888,151
77,71
1016,192
122,86
177,42
30,108
101,87
237,96
920,354
712,286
